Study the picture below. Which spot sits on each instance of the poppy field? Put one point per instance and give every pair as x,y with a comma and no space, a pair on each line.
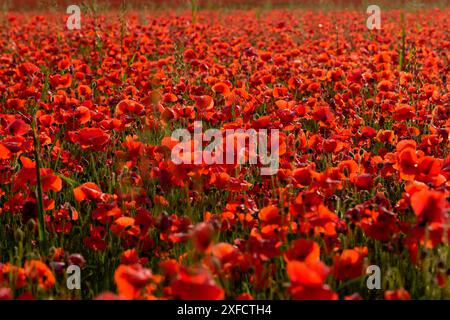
358,207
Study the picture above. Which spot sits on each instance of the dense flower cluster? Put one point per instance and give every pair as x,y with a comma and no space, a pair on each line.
363,179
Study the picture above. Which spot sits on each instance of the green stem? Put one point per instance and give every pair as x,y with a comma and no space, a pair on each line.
39,193
403,44
194,10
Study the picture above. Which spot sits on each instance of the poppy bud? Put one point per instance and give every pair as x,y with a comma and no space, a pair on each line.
6,294
19,235
31,225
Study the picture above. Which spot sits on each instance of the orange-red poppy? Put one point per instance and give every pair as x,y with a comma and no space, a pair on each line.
87,191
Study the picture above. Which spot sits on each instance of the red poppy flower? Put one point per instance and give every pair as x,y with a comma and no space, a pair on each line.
407,163
202,236
106,212
87,191
170,268
13,276
18,128
204,102
131,279
380,225
303,250
90,138
125,226
364,181
196,284
302,177
308,274
429,206
49,180
307,281
244,297
6,294
348,167
61,220
108,296
84,91
5,154
399,294
349,264
224,252
269,215
221,88
131,256
129,107
95,241
40,273
27,68
83,114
